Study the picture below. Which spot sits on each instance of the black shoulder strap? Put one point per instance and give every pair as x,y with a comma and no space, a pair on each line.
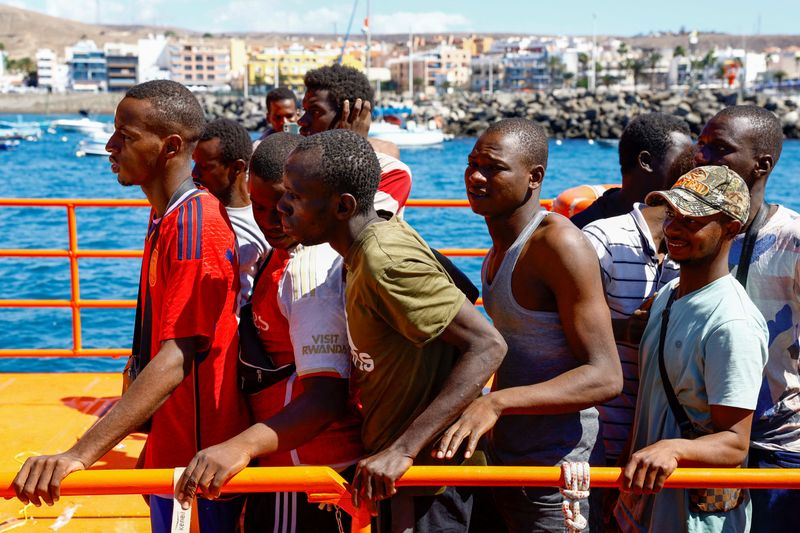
678,411
263,266
143,323
750,243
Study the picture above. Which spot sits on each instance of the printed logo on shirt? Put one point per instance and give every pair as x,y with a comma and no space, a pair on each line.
362,361
152,271
260,323
324,344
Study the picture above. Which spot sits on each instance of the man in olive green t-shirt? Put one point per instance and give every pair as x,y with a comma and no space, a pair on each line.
406,320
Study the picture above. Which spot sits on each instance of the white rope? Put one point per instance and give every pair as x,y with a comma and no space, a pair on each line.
576,488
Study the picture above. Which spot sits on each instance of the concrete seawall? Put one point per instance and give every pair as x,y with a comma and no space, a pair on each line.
564,113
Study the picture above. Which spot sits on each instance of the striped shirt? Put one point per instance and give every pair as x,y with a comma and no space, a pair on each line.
631,273
395,185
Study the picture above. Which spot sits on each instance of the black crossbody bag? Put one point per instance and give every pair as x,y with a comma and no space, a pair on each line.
255,368
714,500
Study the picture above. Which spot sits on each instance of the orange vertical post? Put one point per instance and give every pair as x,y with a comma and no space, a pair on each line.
74,276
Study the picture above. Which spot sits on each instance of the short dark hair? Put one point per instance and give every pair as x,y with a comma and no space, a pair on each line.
270,156
341,82
648,132
348,165
767,132
530,138
175,108
234,141
280,93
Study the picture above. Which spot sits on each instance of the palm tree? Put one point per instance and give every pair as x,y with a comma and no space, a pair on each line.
779,76
555,68
636,66
653,60
679,51
707,62
583,61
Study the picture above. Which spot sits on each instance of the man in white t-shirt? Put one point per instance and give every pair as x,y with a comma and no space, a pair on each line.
749,140
221,160
306,418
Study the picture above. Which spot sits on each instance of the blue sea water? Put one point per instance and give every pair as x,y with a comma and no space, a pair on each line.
49,169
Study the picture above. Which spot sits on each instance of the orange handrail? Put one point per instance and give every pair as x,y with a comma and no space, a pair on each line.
324,485
73,253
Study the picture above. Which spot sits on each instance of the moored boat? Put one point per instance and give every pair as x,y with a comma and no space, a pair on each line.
82,125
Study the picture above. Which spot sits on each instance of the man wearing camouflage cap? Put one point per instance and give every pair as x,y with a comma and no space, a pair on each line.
714,351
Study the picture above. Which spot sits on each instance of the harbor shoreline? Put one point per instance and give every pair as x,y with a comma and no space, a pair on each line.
565,113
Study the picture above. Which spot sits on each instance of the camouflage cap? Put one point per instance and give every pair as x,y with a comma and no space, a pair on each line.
706,191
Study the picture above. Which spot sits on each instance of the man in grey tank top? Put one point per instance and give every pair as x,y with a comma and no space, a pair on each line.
542,288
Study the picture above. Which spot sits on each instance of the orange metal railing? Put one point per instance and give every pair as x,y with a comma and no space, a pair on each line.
73,253
324,485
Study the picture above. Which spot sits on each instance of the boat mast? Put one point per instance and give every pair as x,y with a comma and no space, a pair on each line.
411,63
369,39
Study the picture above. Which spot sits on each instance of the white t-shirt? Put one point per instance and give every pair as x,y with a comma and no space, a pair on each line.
631,273
253,248
773,283
311,297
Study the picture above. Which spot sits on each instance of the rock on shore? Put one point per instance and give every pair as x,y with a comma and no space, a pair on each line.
564,113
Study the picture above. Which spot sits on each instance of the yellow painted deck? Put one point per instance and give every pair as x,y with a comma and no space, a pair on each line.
46,413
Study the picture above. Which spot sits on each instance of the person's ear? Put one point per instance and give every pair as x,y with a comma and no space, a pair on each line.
346,206
764,165
535,177
172,145
731,228
239,167
645,160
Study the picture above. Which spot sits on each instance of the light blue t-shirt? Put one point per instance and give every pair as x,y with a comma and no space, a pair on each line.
715,352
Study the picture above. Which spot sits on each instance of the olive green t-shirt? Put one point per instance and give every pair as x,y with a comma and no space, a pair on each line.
399,299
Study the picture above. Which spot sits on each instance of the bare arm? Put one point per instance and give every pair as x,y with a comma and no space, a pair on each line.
482,350
322,402
649,467
573,276
40,477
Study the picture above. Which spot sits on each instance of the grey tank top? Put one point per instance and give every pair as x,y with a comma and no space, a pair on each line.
537,352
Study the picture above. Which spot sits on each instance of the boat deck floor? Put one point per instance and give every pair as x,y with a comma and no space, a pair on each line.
46,413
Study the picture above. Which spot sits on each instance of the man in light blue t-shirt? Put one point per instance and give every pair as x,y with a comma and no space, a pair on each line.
714,352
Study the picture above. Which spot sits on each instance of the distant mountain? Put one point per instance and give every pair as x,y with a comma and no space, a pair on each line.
22,32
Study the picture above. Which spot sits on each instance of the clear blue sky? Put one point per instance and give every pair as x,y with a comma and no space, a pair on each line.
571,17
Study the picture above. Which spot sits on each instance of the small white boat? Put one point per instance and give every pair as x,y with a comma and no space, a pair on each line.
8,144
82,125
28,131
408,135
608,143
94,144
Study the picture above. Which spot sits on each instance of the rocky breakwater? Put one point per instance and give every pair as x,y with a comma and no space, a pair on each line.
564,113
577,113
250,112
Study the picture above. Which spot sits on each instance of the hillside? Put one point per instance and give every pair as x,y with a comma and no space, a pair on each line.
22,32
